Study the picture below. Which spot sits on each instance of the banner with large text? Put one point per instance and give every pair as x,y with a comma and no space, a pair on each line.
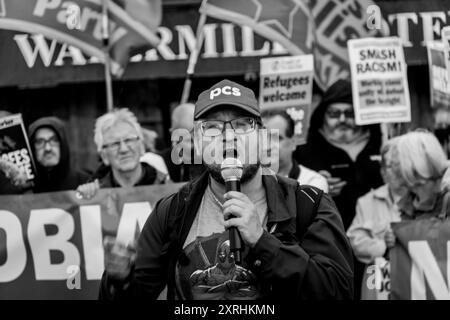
420,260
228,49
51,245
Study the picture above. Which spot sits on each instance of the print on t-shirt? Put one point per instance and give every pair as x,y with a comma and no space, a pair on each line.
212,273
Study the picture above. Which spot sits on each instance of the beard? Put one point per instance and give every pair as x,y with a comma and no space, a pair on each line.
343,133
248,172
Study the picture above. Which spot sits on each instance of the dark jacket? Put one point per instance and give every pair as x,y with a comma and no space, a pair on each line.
63,176
149,177
318,154
181,172
317,265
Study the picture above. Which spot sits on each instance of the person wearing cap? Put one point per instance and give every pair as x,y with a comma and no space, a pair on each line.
295,246
346,154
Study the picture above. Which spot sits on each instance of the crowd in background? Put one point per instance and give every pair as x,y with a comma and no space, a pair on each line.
373,182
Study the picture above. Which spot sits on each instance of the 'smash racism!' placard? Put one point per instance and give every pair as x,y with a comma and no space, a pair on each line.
286,84
379,81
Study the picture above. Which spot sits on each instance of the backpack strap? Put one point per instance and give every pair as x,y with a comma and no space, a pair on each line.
308,199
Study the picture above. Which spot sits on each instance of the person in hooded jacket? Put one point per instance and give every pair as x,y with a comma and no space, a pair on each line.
348,155
51,152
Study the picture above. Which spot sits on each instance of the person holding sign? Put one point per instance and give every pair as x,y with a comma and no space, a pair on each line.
119,139
50,148
418,158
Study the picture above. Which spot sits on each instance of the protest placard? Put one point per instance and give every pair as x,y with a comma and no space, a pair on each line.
286,84
420,260
51,244
439,76
14,145
445,39
379,80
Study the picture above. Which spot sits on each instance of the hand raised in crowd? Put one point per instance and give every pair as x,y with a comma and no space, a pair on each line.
245,218
389,238
335,184
88,190
119,258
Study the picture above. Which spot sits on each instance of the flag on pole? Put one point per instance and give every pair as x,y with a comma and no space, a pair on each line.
303,27
132,24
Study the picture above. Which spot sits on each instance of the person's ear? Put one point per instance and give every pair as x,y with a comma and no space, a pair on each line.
104,158
141,148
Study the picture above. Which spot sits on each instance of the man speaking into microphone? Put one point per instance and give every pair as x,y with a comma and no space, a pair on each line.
287,241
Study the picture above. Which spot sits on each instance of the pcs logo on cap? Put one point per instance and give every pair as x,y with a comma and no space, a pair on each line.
226,90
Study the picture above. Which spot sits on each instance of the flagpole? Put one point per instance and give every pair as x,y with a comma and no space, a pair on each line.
193,58
107,69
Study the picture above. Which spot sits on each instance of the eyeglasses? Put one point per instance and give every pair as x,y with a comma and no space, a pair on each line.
114,146
214,128
41,142
336,114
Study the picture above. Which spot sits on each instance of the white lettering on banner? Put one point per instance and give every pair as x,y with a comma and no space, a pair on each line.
70,52
91,232
229,41
428,24
403,25
133,214
43,5
87,18
248,44
16,257
132,220
36,46
41,49
432,25
425,266
42,244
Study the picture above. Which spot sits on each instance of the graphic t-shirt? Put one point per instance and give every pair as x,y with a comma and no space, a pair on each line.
211,273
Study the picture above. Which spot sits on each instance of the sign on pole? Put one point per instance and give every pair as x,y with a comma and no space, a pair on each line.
286,84
439,76
379,80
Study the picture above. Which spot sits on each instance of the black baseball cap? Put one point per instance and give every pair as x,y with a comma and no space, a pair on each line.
228,93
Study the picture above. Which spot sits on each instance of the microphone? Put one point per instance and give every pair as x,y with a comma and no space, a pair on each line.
231,170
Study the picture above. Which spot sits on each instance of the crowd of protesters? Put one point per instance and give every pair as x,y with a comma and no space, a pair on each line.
373,183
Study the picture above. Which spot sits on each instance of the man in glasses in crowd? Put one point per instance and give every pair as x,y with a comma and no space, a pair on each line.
119,140
51,152
295,246
348,155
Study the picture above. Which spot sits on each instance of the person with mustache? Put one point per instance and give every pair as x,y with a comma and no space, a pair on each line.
348,155
51,152
291,251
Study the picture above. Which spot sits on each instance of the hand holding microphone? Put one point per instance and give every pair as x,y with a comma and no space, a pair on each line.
240,214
